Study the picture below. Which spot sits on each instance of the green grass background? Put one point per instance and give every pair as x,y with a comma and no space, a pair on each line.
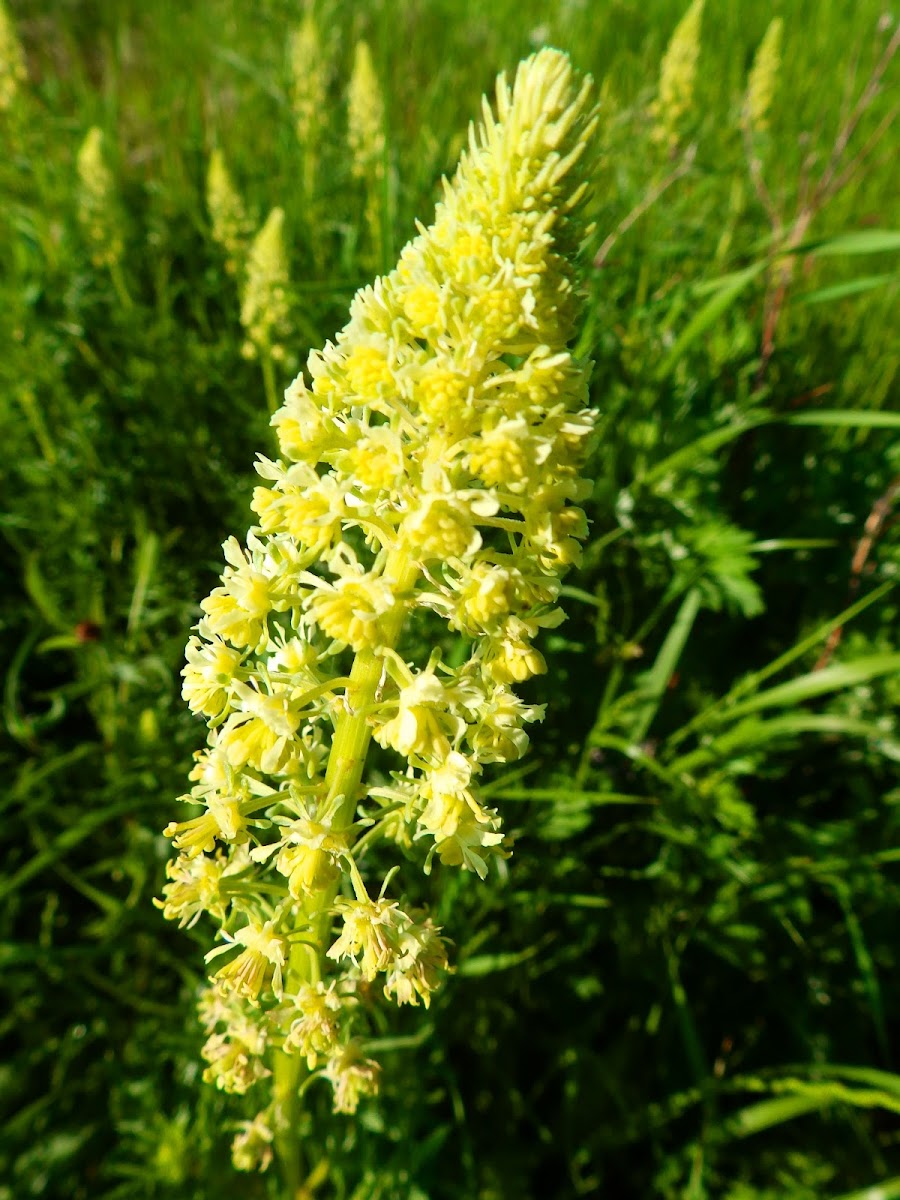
686,983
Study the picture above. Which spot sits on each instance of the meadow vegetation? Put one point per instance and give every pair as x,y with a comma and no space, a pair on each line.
683,981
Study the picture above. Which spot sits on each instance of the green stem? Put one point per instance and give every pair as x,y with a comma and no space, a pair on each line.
353,732
268,373
303,966
343,776
666,661
119,286
287,1068
38,425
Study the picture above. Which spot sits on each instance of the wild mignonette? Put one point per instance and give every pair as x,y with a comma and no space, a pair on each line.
230,223
432,464
365,134
677,77
265,310
263,304
365,114
309,85
763,78
98,210
12,61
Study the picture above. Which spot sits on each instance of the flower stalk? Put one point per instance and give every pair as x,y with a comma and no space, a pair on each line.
309,70
230,224
365,137
99,211
431,465
12,61
674,101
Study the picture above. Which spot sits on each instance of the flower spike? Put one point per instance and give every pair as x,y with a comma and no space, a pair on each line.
430,462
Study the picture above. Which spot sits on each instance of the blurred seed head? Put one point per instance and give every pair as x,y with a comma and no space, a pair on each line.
365,115
230,223
12,61
264,304
677,78
98,207
763,78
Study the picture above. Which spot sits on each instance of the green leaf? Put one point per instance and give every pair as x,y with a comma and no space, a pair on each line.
488,964
858,241
847,416
64,842
768,545
865,963
818,683
556,795
795,1097
41,596
753,732
751,682
657,679
852,287
872,1077
721,300
767,1113
704,446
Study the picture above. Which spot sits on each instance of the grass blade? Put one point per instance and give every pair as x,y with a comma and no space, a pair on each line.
819,683
657,679
858,241
751,682
845,417
711,311
852,287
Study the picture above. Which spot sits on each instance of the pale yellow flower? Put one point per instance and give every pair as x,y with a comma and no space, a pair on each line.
314,1013
309,81
677,78
260,963
352,1076
251,1149
230,223
98,209
234,1049
12,61
195,886
429,466
764,78
365,114
264,302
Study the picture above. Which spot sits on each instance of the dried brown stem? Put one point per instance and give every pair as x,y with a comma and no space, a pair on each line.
856,162
875,522
831,181
825,189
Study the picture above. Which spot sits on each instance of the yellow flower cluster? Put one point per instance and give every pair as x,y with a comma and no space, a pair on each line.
98,211
764,78
429,464
230,224
677,77
365,137
261,268
264,304
309,81
365,115
12,61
